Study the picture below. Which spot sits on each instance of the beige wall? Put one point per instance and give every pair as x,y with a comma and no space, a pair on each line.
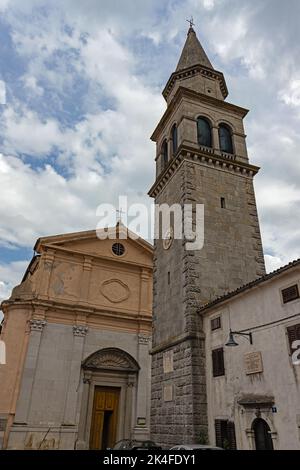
78,282
255,310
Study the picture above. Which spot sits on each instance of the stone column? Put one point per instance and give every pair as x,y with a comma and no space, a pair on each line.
85,279
48,259
79,332
216,140
81,443
23,406
128,407
145,301
142,414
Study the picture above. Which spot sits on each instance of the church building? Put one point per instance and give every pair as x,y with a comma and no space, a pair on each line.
77,332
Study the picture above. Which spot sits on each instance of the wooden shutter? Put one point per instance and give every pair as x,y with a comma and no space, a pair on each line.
231,435
218,430
290,293
225,434
218,362
215,323
293,334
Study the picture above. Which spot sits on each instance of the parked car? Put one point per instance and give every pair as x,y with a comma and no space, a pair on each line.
195,447
131,444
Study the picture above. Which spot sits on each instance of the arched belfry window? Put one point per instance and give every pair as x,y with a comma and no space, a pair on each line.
174,139
225,139
204,132
165,153
262,435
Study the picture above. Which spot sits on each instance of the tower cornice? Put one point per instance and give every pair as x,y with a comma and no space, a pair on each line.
203,156
184,92
197,69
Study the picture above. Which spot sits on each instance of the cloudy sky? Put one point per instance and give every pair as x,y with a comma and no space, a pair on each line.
80,93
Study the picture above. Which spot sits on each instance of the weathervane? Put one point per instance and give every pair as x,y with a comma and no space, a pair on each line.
191,21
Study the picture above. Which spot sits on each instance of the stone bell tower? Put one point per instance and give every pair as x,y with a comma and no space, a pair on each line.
201,159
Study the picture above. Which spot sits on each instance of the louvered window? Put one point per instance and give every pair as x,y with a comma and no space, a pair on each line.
218,362
215,323
290,293
225,434
293,335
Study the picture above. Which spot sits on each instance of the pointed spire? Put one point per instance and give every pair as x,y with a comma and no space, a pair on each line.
192,53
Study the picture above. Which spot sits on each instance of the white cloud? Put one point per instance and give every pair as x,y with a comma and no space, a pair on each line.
12,274
106,150
2,92
291,94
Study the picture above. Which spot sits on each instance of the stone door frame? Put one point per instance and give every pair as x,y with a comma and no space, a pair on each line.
112,368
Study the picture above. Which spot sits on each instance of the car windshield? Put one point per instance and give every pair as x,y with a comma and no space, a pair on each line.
128,444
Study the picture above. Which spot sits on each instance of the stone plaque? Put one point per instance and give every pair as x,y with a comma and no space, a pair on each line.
168,362
168,392
253,363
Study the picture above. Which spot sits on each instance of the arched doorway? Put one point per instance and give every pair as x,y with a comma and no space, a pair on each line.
262,435
109,383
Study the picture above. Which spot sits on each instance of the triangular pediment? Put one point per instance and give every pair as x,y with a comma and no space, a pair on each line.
93,243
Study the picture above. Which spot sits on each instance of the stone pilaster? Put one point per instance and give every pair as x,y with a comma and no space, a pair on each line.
79,332
24,402
47,264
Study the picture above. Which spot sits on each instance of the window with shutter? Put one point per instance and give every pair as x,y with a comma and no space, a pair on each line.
293,335
290,293
225,434
215,323
218,362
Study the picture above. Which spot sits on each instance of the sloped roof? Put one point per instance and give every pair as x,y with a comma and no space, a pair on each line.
249,285
192,53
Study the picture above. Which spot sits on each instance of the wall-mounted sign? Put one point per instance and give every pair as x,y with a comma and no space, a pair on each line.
168,362
253,363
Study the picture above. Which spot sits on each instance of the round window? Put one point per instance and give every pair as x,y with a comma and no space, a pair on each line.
118,249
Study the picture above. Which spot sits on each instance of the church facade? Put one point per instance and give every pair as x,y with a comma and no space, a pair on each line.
77,332
201,158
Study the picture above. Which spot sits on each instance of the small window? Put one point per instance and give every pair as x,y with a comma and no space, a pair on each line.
165,153
225,139
225,434
118,249
293,335
223,203
169,278
215,323
174,139
204,132
290,293
218,362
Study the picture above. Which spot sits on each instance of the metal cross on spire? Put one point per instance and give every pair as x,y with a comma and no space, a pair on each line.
119,214
191,21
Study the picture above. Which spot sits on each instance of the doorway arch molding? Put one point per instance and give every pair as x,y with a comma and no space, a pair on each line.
112,368
111,359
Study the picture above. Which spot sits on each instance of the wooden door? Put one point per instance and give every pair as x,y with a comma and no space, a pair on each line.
105,418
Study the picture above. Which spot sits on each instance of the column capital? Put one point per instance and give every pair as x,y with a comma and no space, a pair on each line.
80,330
37,325
144,339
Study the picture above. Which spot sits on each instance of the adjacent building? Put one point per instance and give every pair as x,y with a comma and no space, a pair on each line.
253,390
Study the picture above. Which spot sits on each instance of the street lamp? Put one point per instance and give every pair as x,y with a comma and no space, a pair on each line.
231,341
